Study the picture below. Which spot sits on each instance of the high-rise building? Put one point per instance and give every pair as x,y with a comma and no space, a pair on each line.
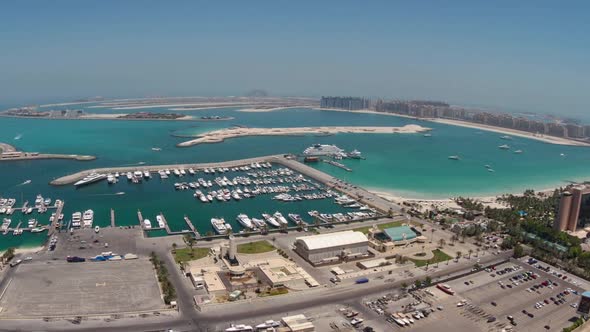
574,209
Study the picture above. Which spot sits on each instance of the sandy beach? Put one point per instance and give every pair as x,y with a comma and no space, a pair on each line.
270,109
506,131
223,134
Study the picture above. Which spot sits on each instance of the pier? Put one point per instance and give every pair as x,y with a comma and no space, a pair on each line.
191,227
140,217
337,164
112,218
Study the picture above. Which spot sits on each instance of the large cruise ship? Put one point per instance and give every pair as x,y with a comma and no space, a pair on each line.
323,150
94,177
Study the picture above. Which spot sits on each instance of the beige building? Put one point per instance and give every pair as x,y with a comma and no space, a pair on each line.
332,247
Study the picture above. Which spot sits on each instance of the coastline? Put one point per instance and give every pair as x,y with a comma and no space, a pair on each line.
97,116
263,110
218,136
507,131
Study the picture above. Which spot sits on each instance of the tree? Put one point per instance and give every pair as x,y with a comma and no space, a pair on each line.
428,281
441,243
454,238
190,242
518,251
458,256
417,283
174,246
470,251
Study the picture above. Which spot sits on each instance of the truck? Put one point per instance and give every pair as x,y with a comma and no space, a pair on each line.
361,281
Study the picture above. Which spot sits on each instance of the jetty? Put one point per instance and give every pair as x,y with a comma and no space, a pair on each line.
337,164
192,227
112,218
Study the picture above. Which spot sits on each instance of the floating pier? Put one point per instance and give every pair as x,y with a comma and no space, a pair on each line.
191,226
337,164
112,218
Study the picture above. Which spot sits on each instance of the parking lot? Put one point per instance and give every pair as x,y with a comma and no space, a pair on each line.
515,295
57,288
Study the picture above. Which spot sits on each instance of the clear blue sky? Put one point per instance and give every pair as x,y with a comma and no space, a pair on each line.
514,54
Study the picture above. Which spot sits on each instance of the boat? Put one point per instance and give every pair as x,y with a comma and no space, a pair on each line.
295,218
129,176
244,220
259,223
279,217
146,174
271,220
518,151
93,177
355,154
267,325
323,150
311,159
427,135
147,224
76,219
160,221
219,225
506,137
239,328
504,147
454,157
96,229
445,288
88,218
38,229
38,200
111,179
156,149
491,170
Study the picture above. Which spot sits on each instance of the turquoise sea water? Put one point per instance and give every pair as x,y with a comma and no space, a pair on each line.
408,164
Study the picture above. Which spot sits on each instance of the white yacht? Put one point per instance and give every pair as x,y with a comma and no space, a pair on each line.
518,151
160,221
191,171
94,177
182,172
245,221
88,218
506,137
176,172
147,224
76,219
355,154
427,135
111,179
146,174
454,157
279,217
504,147
129,176
295,218
259,223
219,225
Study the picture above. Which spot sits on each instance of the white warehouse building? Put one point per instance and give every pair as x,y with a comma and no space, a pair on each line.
332,247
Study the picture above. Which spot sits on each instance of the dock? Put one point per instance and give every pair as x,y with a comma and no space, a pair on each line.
166,226
191,227
140,217
112,218
337,164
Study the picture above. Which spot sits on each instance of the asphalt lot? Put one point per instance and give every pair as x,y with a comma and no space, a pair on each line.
481,289
57,288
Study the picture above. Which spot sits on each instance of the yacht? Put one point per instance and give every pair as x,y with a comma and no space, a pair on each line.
38,229
244,220
146,174
111,179
236,196
156,149
427,135
191,171
506,137
160,221
322,150
147,224
176,172
454,157
504,147
76,219
94,177
518,151
38,200
129,176
219,225
258,222
88,218
182,172
279,217
295,218
355,154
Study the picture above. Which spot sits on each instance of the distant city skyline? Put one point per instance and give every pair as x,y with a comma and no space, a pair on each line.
526,56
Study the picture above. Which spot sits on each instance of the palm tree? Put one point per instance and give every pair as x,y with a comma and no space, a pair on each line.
459,254
470,252
454,238
174,246
477,252
441,243
190,241
432,234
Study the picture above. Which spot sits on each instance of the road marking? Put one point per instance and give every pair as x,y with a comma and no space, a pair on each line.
5,288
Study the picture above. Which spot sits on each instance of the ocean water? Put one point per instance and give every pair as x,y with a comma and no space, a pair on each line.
407,164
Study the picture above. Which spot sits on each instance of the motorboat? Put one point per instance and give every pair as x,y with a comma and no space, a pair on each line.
244,220
279,217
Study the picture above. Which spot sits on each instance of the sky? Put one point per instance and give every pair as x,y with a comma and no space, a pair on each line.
513,55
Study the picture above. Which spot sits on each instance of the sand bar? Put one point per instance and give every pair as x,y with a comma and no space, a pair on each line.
217,136
267,109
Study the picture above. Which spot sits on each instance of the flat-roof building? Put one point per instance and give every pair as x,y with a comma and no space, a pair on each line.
332,247
298,323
